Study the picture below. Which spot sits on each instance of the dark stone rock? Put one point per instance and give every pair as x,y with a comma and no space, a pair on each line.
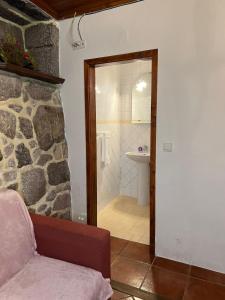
44,158
33,185
7,123
39,91
41,35
10,87
47,59
8,150
15,107
23,156
66,215
30,9
10,176
48,212
51,196
11,16
62,202
13,186
49,126
42,208
6,28
1,156
58,173
26,127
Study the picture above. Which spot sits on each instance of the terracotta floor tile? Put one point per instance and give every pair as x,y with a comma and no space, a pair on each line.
137,251
113,257
118,295
171,265
165,283
203,290
129,271
117,245
208,275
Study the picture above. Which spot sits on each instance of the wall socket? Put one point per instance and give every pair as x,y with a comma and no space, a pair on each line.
77,45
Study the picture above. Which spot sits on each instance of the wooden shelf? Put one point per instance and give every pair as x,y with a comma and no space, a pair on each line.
30,73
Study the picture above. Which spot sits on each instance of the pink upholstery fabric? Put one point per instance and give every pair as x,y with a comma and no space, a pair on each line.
17,242
46,278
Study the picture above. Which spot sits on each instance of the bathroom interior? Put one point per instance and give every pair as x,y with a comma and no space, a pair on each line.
123,110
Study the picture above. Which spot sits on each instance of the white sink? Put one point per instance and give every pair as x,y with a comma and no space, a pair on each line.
141,157
142,160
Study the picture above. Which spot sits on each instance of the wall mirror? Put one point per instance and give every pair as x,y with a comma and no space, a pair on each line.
141,99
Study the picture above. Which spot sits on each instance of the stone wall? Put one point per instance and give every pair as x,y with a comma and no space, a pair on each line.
43,42
33,148
33,155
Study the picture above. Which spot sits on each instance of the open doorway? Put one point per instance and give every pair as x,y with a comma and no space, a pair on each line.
109,125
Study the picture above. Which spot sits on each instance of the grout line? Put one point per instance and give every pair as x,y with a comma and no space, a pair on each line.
145,276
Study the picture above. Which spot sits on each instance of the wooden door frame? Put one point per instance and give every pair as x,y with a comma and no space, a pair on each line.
90,113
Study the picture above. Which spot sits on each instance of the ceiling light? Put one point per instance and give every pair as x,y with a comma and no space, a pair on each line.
141,85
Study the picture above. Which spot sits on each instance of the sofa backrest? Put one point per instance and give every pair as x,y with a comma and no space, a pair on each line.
17,242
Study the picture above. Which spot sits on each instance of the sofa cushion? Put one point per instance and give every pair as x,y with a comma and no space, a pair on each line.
17,242
47,278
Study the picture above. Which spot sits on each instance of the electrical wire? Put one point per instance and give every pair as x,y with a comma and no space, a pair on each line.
78,27
95,12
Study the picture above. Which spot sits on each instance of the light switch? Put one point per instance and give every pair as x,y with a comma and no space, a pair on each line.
167,147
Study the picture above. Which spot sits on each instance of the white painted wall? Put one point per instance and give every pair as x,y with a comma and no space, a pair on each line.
190,36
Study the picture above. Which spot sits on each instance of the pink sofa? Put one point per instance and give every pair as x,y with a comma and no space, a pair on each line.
66,260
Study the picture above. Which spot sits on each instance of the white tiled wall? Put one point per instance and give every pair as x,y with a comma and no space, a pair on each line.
132,135
113,112
108,116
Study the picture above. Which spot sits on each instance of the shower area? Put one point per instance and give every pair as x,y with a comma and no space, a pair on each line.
123,105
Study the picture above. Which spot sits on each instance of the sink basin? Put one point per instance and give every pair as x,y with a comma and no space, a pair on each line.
141,157
142,160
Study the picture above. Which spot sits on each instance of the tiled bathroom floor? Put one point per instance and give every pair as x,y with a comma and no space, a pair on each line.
125,219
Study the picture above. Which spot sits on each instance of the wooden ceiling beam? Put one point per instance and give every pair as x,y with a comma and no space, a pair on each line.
46,7
64,9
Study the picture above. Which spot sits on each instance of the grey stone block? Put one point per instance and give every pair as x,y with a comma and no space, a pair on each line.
62,202
7,124
58,173
23,156
33,185
39,91
47,59
12,30
26,127
11,87
49,126
41,35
